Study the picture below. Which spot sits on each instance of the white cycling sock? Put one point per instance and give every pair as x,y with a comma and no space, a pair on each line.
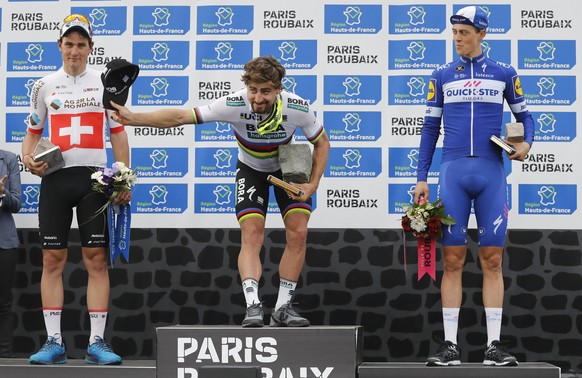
251,290
451,323
286,291
493,316
52,322
98,319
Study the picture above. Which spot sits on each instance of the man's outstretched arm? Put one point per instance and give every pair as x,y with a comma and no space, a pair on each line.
162,118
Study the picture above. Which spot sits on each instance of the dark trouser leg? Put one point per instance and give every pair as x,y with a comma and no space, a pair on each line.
8,260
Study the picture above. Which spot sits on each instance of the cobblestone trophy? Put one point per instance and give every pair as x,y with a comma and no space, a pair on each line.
296,162
514,132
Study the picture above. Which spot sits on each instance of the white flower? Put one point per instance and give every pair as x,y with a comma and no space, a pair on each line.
131,179
417,225
119,165
114,180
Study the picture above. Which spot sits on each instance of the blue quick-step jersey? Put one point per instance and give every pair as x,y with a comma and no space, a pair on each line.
468,95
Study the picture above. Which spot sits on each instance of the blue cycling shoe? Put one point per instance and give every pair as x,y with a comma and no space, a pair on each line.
100,353
52,352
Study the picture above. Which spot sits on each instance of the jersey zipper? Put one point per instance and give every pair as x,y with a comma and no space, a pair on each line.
472,152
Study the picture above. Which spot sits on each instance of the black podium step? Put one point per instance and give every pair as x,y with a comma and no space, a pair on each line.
20,368
472,370
330,351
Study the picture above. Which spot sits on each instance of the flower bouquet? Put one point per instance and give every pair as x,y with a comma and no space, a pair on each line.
424,221
111,182
114,180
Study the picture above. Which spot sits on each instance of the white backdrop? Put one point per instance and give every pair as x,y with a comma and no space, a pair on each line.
363,66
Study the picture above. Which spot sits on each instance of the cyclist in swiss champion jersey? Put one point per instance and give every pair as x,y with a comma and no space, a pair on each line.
69,103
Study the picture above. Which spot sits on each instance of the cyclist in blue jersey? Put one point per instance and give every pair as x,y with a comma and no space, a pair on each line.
263,117
468,96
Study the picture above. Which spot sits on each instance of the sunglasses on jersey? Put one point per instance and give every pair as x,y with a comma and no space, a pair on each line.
272,122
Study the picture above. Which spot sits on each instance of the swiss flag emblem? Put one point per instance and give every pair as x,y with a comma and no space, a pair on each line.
83,130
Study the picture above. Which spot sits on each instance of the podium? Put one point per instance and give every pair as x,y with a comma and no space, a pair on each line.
236,352
193,351
20,368
473,370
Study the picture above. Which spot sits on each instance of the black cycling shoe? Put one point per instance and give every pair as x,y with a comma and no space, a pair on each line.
254,316
497,355
448,354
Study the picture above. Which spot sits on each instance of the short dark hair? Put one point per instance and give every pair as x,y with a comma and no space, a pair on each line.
264,69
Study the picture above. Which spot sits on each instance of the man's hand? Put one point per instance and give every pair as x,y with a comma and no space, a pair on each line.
421,191
2,187
123,198
122,114
521,150
308,190
37,168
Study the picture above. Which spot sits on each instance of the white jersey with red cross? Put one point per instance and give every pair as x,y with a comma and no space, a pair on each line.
72,108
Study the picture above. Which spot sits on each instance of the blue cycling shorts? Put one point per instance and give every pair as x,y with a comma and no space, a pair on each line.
479,183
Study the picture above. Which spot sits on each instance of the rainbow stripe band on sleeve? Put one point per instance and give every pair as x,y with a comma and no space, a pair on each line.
317,135
196,116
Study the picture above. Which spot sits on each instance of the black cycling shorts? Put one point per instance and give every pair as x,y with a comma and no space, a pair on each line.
60,192
252,194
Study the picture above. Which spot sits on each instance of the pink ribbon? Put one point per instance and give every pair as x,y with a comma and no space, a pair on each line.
427,257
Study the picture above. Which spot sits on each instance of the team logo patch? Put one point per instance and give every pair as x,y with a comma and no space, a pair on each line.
517,87
431,96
